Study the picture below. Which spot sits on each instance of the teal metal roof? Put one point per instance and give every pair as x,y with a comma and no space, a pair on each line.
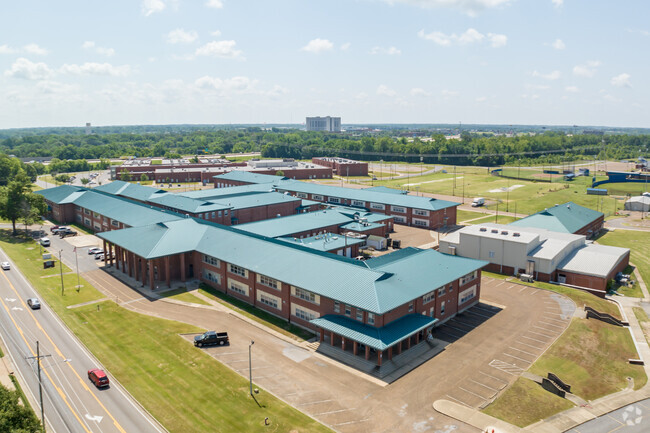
377,338
359,227
425,203
130,190
247,176
564,218
353,282
310,221
186,204
60,194
254,199
324,242
385,189
208,194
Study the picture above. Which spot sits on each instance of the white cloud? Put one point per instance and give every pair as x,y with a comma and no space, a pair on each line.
587,70
216,33
28,70
621,80
180,36
384,90
471,7
90,68
391,51
469,36
553,75
318,45
557,3
418,91
276,91
558,44
346,46
34,49
152,6
224,49
481,99
232,85
572,89
90,45
54,87
449,93
215,4
6,49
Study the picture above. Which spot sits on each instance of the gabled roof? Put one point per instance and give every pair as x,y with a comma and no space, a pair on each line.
214,193
386,190
425,203
61,194
324,242
130,190
377,290
247,176
186,204
568,218
593,259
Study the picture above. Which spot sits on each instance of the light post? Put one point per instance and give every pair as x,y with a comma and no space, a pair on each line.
61,270
250,367
421,165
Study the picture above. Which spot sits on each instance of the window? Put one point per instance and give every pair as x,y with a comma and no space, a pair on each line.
468,294
399,219
429,297
225,213
442,307
442,290
267,300
451,287
358,203
87,222
86,211
420,212
301,194
411,307
78,218
337,307
377,206
371,319
491,254
214,214
304,294
348,310
96,215
469,277
317,197
238,270
236,287
359,315
269,282
115,223
219,214
420,223
304,315
211,276
211,260
334,200
399,209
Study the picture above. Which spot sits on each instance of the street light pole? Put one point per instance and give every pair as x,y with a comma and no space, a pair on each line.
250,367
61,270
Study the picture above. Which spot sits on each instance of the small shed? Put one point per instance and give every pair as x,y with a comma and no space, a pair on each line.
596,191
640,204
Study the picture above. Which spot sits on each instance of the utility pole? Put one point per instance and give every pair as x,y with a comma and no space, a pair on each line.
76,259
421,165
61,270
40,387
250,367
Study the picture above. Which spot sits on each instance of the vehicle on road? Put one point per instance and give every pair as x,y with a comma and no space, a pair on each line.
5,266
34,303
98,377
45,242
59,229
211,338
94,250
478,201
67,232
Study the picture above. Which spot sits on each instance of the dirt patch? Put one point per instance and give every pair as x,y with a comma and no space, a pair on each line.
545,176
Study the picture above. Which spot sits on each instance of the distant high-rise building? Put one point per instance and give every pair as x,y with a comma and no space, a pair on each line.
88,129
327,123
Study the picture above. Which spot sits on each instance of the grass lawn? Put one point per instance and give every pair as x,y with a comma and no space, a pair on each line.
261,316
501,219
644,321
464,215
181,294
592,356
639,244
183,387
526,402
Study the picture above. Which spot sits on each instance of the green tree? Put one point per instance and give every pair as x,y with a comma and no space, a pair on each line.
63,178
84,180
279,173
17,202
125,175
144,178
15,417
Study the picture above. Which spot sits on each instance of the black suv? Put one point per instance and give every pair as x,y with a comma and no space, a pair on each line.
211,338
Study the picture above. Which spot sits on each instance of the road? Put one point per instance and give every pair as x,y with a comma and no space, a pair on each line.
71,402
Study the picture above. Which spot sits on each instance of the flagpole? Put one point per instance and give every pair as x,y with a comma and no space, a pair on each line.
77,263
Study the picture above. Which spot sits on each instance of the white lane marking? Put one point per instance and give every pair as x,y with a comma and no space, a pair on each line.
333,411
485,386
95,418
473,393
529,345
351,422
516,357
520,350
539,333
461,402
534,339
495,378
550,324
315,402
10,299
16,309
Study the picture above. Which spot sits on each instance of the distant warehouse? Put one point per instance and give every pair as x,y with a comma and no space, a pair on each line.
343,166
327,124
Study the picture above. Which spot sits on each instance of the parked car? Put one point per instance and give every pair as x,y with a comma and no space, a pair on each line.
5,266
98,377
94,250
106,256
67,232
211,338
34,303
54,228
99,255
45,242
478,201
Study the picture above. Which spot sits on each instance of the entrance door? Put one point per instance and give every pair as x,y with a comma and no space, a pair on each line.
561,278
191,272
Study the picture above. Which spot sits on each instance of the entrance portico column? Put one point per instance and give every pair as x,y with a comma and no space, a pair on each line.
143,271
117,257
167,272
342,342
379,356
183,267
367,353
151,279
390,353
355,348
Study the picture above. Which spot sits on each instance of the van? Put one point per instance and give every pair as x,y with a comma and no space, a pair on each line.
478,201
45,242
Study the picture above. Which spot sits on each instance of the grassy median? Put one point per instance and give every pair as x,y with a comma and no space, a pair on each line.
180,385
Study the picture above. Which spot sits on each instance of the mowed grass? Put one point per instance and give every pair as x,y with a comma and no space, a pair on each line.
182,386
181,294
499,219
464,215
526,402
639,244
592,356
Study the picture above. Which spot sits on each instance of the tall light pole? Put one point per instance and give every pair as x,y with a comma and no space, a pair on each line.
61,270
250,367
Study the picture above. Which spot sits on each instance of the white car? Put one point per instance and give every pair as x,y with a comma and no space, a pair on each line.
34,303
94,250
5,266
45,242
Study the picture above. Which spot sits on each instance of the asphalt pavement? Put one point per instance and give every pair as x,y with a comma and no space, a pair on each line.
71,402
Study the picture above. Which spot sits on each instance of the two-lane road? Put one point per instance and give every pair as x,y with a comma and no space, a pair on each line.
71,402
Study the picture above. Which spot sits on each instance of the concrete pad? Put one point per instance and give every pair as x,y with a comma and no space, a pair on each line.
84,241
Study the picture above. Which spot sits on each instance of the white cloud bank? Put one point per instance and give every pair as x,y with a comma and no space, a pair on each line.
90,45
621,80
587,70
150,7
180,36
223,49
471,7
468,37
318,45
27,70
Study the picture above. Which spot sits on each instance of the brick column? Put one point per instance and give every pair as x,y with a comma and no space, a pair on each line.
343,343
151,279
379,356
136,268
390,353
417,338
183,267
331,338
367,353
408,343
399,347
117,257
105,250
167,272
355,348
322,336
143,271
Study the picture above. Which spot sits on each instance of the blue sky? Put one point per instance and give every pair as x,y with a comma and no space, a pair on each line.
122,62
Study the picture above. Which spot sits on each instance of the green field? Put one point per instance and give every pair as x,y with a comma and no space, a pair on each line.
631,188
181,294
497,219
181,386
639,244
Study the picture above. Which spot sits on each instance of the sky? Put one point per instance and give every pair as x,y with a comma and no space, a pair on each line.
130,62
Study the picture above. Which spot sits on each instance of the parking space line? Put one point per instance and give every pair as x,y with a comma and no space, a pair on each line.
478,314
315,402
539,333
485,386
516,357
299,392
333,411
473,393
522,289
550,324
543,329
555,320
529,345
232,353
461,402
556,314
254,368
456,329
495,378
239,360
500,283
534,339
351,422
520,350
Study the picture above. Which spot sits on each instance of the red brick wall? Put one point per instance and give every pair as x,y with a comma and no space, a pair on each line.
266,212
593,227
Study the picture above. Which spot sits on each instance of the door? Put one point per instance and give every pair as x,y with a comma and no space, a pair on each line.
191,271
561,278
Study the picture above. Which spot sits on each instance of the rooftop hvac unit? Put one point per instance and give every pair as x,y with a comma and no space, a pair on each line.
504,232
452,251
516,234
482,229
495,231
